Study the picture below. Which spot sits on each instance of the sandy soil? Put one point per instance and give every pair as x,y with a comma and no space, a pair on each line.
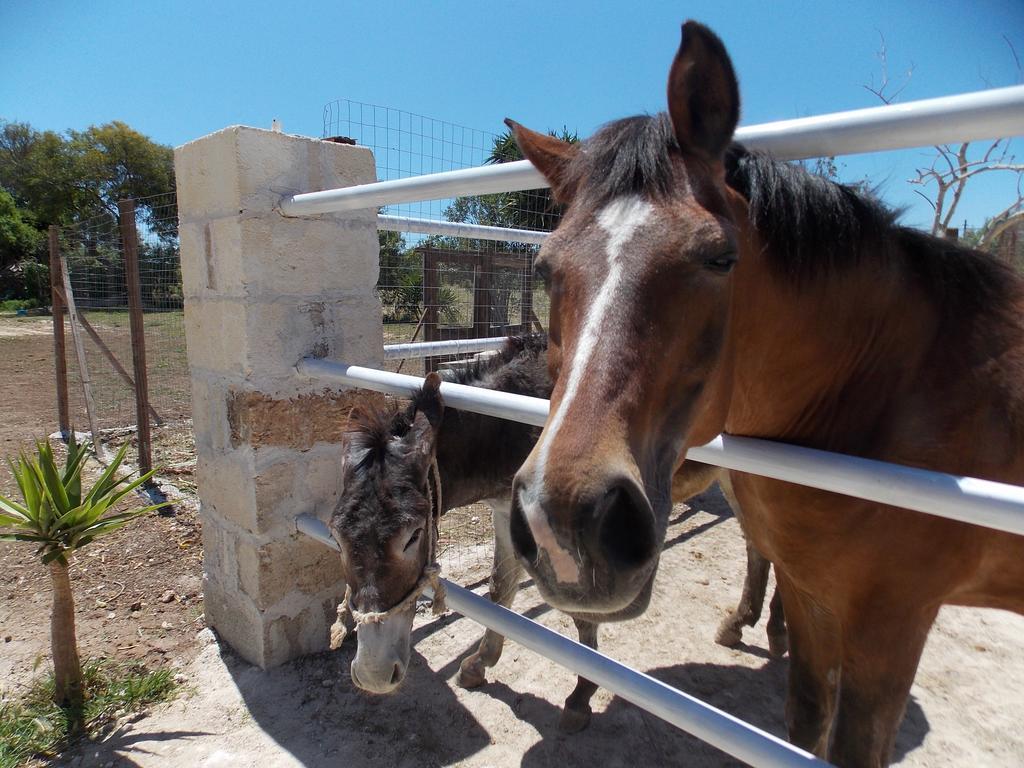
964,710
138,592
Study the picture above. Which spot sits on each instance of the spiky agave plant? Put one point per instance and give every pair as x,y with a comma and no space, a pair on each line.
60,519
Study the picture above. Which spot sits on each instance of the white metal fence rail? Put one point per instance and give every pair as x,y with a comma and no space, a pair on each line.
988,114
984,115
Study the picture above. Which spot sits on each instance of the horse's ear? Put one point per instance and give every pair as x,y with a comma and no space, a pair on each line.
703,96
551,156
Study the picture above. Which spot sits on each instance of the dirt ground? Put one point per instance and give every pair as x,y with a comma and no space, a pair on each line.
966,705
138,593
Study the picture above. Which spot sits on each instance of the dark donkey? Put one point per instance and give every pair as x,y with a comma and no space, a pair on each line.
698,288
383,523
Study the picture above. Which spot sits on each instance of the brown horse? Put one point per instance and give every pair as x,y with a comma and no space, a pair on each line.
697,288
382,522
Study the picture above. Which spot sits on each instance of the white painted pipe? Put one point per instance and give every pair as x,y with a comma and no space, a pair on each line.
486,180
457,229
504,405
448,347
966,499
990,114
720,729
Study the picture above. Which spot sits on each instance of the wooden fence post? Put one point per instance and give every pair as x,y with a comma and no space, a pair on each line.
60,363
130,248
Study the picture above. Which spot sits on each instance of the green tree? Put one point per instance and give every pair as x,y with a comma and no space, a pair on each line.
67,178
60,519
78,176
19,239
114,162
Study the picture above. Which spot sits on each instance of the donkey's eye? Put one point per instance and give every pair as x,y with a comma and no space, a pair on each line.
413,539
721,264
543,271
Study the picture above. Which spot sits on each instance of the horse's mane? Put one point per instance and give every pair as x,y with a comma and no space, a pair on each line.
812,227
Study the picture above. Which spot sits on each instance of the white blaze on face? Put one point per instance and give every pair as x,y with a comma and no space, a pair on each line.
620,220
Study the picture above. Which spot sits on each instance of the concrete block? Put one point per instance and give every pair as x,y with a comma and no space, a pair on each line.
207,176
215,335
236,619
209,414
275,164
225,482
308,632
319,484
219,561
286,571
280,256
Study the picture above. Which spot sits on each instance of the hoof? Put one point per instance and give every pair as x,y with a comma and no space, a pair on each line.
471,673
728,635
778,645
574,720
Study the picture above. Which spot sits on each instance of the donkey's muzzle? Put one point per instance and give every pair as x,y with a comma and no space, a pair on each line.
382,655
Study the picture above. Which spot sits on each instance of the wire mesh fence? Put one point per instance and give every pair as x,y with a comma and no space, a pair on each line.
95,257
435,288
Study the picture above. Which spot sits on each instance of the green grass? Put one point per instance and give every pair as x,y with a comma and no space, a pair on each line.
36,727
13,305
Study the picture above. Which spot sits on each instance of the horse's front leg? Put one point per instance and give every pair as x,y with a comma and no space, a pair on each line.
504,584
882,644
778,639
815,661
576,713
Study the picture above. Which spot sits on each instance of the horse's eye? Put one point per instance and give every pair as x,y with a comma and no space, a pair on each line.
721,264
413,539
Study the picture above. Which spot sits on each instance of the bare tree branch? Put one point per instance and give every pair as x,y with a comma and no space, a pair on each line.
951,169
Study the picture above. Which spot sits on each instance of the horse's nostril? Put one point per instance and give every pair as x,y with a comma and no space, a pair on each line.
626,529
397,674
522,538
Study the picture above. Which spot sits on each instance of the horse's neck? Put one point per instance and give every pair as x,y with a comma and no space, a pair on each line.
477,455
866,366
819,365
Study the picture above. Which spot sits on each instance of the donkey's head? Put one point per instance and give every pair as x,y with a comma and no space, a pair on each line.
638,274
382,524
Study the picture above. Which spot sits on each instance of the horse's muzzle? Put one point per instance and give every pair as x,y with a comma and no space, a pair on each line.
594,556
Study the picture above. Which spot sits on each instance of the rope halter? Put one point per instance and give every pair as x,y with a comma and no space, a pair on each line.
430,577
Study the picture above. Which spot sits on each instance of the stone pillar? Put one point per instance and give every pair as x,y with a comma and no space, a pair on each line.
261,292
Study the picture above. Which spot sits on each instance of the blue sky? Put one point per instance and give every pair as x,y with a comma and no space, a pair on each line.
179,70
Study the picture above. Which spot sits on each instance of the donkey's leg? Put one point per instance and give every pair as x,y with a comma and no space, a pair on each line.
730,631
748,612
504,584
576,713
882,646
814,668
778,641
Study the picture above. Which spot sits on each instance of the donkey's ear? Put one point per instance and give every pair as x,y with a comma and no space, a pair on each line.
419,443
429,401
549,155
703,96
